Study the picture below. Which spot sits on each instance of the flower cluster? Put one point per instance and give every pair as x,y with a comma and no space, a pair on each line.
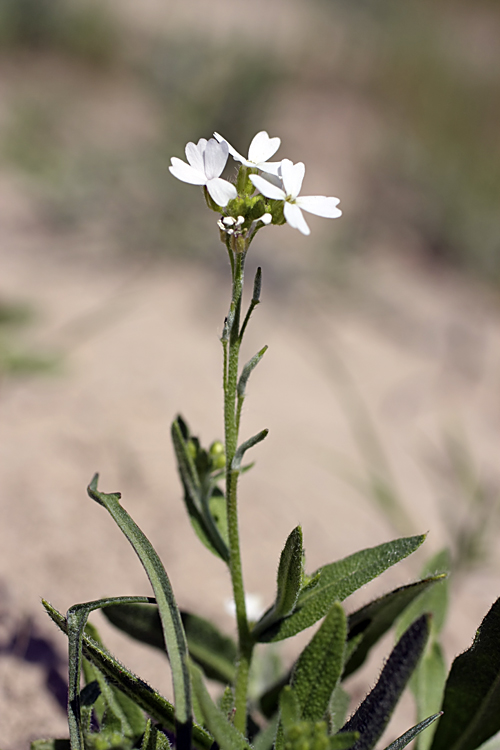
244,210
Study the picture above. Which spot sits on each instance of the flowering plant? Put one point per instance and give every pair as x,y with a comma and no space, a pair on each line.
306,708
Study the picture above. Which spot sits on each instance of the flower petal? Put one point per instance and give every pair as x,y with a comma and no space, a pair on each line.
270,167
262,147
295,218
194,154
292,175
184,172
320,205
267,188
232,150
221,191
215,158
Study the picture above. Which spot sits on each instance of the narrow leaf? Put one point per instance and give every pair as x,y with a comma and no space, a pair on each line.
472,694
288,583
225,734
247,371
427,684
337,708
76,619
373,714
196,505
410,735
342,741
433,600
375,619
337,581
158,707
290,711
173,631
154,739
320,664
242,449
50,745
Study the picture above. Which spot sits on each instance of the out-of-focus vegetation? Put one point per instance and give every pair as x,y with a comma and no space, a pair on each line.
429,70
14,359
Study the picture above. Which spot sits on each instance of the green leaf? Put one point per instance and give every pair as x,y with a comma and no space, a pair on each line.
226,735
375,619
290,711
337,708
76,620
195,497
337,581
213,651
373,714
320,665
434,600
265,739
153,739
342,741
173,631
50,745
427,684
242,449
410,735
247,371
472,694
154,704
288,583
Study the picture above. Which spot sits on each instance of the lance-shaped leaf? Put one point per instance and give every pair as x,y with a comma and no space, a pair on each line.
320,665
242,449
296,733
226,735
374,713
410,735
76,619
173,631
158,707
472,694
375,619
195,496
247,371
154,739
337,581
288,583
213,651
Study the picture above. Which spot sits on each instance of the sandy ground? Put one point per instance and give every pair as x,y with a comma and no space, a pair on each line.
137,346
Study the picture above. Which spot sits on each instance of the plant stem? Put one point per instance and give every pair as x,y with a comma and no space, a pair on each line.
245,645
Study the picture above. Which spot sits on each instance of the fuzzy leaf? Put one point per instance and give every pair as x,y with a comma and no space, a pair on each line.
434,600
154,704
247,371
242,449
226,735
320,664
173,631
337,708
154,739
375,619
427,684
472,694
374,713
288,583
337,581
197,506
290,710
410,735
342,741
214,652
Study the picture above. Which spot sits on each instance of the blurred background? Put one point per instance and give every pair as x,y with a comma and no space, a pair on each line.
381,385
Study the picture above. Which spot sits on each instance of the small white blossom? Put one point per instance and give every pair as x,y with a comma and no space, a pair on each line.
206,160
292,176
253,603
261,149
265,218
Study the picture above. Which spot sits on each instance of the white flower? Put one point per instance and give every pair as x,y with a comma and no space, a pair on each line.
292,176
253,604
206,160
261,149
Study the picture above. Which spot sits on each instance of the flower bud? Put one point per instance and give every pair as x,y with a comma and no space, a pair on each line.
217,455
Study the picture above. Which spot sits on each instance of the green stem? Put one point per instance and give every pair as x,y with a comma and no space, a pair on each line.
245,645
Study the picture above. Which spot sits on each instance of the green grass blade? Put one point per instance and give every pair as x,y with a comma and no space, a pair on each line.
339,580
472,694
